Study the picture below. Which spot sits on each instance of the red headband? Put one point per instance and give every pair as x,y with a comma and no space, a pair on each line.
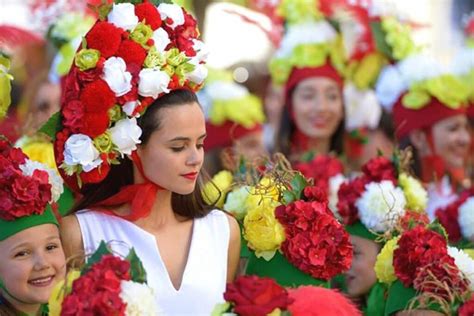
223,135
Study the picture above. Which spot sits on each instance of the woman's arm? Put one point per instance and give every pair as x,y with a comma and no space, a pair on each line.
234,249
72,241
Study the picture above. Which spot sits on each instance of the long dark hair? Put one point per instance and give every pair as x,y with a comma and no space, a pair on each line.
191,205
288,127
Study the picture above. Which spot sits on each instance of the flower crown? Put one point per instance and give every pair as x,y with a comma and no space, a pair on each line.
132,55
424,272
380,197
27,187
5,85
107,285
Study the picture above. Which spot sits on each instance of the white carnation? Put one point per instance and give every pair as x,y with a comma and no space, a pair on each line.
79,150
173,12
117,76
381,205
161,39
334,184
54,178
389,87
362,108
419,67
140,299
152,82
466,218
464,263
235,202
123,15
126,135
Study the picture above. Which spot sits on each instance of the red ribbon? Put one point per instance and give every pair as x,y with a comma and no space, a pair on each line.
141,197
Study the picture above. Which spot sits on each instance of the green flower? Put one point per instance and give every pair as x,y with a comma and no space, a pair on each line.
449,90
175,58
313,55
416,100
398,37
115,113
87,58
103,143
71,25
154,59
5,85
280,70
141,34
298,11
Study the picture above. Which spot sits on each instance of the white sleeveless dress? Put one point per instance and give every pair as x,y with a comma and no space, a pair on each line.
205,274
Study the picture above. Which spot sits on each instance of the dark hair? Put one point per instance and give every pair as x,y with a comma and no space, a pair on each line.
191,205
288,127
415,162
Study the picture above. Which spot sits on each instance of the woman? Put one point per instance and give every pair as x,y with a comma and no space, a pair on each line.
140,177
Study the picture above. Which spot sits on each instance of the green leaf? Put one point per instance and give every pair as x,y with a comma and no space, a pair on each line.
308,156
438,228
288,197
158,2
380,42
52,126
101,251
128,1
137,271
298,184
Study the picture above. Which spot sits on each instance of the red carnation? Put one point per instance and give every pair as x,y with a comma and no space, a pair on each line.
316,243
379,169
148,12
105,37
254,296
95,124
97,97
95,175
73,113
132,53
448,217
467,309
347,196
417,248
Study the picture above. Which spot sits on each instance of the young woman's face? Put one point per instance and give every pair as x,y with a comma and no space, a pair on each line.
452,140
174,154
317,107
32,263
361,277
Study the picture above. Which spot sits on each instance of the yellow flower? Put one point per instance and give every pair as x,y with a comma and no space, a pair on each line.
275,312
262,230
470,252
416,195
364,73
215,190
58,293
40,151
384,264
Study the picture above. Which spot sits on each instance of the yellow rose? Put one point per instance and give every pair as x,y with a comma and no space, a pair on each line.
58,293
416,195
262,230
384,264
215,190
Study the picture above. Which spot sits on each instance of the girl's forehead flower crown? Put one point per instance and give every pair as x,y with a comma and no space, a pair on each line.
134,53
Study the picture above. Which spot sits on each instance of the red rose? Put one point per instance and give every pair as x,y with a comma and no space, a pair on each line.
105,37
73,113
147,13
315,241
417,248
97,97
95,124
95,175
379,169
132,53
348,194
467,309
254,296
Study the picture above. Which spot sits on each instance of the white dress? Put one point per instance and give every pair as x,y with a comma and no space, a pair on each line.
204,278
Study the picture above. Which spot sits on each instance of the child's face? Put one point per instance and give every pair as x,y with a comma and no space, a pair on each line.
32,263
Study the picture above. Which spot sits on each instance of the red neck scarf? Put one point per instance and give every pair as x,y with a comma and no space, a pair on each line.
141,197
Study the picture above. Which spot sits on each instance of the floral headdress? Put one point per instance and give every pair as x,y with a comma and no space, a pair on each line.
28,192
133,54
107,285
373,203
422,271
231,110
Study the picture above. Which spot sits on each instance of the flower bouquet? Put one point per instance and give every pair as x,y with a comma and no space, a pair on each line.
107,285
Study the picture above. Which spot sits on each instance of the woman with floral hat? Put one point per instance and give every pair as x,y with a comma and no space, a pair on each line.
33,260
131,141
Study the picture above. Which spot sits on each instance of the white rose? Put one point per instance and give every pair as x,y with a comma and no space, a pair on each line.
140,299
381,206
126,135
172,11
198,74
129,108
152,82
466,218
117,76
54,178
334,184
235,202
79,150
123,15
464,263
389,87
362,108
202,52
161,39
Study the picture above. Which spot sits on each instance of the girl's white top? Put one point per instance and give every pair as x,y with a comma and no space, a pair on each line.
205,274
